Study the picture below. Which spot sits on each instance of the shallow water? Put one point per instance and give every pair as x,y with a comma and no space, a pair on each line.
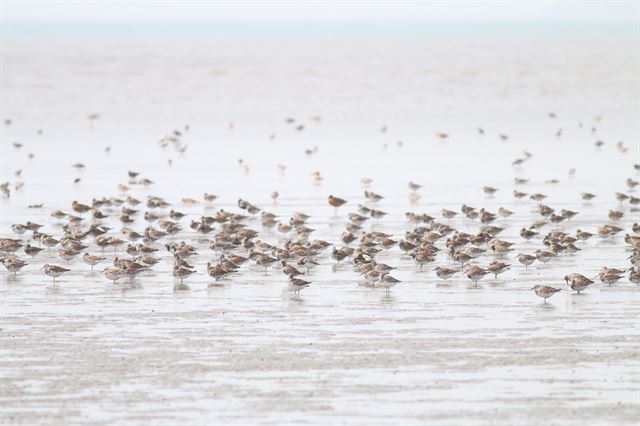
244,350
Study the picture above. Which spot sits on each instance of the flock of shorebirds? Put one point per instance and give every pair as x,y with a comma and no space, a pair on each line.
234,238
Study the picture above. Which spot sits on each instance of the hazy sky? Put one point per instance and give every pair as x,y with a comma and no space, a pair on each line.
514,10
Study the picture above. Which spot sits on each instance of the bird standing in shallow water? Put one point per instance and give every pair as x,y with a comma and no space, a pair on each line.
476,273
545,291
182,272
54,271
335,202
445,273
387,281
297,284
577,282
497,267
12,263
526,259
113,273
92,260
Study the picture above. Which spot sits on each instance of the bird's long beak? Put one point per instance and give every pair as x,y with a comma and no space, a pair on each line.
532,288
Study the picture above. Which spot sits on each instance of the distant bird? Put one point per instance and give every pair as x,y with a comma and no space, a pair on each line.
489,190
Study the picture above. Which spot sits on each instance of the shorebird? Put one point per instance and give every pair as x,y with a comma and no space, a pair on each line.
527,234
620,196
387,281
577,282
537,197
372,196
545,211
489,190
544,256
264,261
519,194
113,273
210,198
421,257
610,276
67,254
339,255
377,214
12,263
92,259
18,228
217,271
632,240
181,272
615,214
335,202
505,213
290,270
54,271
80,208
497,267
448,214
307,262
297,284
48,241
607,231
476,273
501,247
583,235
571,248
441,135
371,276
414,186
32,250
526,259
445,273
545,291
